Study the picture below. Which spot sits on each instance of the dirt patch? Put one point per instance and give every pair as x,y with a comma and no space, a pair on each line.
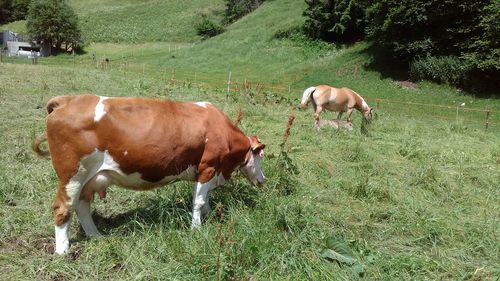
335,123
75,254
12,243
406,85
10,203
45,244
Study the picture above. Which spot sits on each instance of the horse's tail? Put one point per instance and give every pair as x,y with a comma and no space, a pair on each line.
307,96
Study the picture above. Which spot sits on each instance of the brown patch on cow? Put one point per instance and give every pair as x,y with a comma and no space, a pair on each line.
406,85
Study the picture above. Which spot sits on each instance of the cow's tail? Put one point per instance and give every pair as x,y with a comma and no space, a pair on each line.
52,104
35,145
306,97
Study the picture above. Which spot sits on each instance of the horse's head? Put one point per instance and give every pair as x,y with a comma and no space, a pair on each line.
368,114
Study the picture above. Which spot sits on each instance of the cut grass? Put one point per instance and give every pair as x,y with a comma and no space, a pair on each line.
414,200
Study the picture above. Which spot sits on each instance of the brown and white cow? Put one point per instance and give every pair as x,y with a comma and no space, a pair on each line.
335,99
139,144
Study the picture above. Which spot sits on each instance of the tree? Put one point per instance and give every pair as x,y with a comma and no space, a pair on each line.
335,20
53,23
446,34
12,10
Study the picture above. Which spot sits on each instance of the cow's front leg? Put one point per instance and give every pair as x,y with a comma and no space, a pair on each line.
86,221
200,200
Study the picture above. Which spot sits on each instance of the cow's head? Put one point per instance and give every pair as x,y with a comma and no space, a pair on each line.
251,167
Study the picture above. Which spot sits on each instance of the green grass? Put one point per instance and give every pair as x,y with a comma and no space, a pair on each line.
142,21
413,199
414,194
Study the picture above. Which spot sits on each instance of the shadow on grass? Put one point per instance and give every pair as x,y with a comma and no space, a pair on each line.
384,63
174,210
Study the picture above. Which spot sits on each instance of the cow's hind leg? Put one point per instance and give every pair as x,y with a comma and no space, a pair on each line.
65,202
62,220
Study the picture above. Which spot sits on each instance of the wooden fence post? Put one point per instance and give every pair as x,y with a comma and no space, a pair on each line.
173,76
487,119
228,83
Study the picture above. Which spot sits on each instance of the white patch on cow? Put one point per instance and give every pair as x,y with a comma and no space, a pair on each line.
107,171
206,140
252,170
62,238
99,170
125,153
99,109
202,104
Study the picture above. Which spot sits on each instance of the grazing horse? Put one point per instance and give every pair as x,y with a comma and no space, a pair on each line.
335,99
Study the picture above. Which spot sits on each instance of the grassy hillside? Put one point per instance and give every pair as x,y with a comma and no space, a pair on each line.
134,21
412,199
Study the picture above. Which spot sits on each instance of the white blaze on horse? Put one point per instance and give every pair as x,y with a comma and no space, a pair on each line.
335,99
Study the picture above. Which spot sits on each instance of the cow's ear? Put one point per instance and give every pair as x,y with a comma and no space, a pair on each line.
256,145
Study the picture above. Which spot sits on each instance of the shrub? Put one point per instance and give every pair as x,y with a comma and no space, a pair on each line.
448,69
207,28
236,9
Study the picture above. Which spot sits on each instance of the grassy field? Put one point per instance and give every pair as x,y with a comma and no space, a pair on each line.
412,196
411,199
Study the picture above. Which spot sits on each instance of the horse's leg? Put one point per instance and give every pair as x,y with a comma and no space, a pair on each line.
316,116
340,115
349,112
